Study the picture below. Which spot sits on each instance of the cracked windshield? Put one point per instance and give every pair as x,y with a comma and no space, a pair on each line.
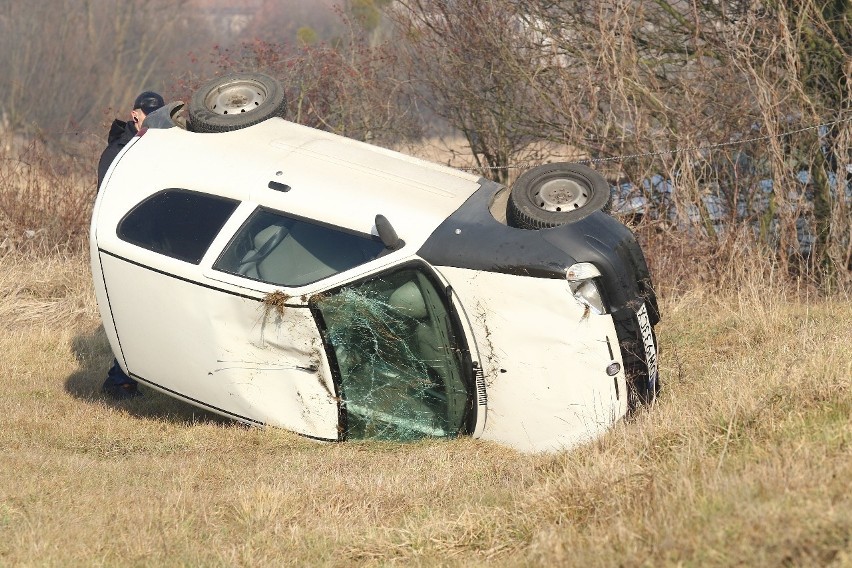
401,370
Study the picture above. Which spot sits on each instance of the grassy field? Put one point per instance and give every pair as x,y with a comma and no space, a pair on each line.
746,459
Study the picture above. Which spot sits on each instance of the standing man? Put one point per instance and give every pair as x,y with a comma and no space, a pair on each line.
121,132
118,384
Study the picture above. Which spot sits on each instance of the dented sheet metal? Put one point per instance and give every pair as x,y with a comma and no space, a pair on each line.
544,361
413,313
227,352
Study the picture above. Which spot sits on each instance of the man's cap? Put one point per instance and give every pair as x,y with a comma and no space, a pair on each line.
148,102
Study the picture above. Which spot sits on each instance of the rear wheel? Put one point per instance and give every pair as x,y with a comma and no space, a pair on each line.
235,101
556,194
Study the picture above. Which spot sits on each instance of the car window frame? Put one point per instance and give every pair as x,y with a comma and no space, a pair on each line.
146,246
260,209
241,216
472,420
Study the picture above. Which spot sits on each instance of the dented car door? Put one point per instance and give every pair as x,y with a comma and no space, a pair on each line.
217,346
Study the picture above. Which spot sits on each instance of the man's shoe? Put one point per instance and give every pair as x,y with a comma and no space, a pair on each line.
122,391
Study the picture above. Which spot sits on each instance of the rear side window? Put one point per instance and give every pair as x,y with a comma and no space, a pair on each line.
177,223
292,252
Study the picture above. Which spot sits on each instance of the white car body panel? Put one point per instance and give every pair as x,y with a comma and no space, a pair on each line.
232,354
547,390
310,161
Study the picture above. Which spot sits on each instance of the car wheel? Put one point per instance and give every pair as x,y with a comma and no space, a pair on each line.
556,194
235,101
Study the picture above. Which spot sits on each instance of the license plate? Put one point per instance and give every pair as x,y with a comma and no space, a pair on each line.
649,343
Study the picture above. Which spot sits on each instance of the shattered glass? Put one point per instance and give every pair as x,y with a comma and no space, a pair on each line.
402,374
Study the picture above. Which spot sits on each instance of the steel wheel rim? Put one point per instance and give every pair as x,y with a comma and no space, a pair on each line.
559,195
236,98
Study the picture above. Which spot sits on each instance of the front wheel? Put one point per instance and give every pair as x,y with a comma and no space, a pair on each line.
235,101
556,194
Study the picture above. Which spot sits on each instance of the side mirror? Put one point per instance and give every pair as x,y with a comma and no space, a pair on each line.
387,233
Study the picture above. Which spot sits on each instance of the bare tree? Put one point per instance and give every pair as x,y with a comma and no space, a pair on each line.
819,36
278,21
680,87
460,56
64,62
703,93
348,87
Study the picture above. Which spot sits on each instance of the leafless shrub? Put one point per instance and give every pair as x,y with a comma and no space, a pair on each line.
45,198
461,57
348,87
711,109
64,62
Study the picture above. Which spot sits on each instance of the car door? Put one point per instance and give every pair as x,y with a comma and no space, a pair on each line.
402,359
396,349
221,347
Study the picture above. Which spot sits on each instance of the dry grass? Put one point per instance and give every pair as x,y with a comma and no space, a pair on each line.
46,195
745,460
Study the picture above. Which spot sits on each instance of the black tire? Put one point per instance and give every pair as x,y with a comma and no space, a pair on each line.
556,194
235,101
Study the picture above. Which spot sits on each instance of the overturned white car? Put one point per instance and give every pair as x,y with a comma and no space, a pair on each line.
277,274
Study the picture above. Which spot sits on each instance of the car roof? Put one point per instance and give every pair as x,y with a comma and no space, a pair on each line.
328,177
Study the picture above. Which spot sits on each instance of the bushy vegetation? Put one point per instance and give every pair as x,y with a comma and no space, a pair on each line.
713,115
723,128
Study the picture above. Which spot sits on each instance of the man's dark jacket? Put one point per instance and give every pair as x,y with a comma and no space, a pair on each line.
120,133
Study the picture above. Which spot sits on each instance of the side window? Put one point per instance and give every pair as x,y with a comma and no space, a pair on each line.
398,352
177,223
292,252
